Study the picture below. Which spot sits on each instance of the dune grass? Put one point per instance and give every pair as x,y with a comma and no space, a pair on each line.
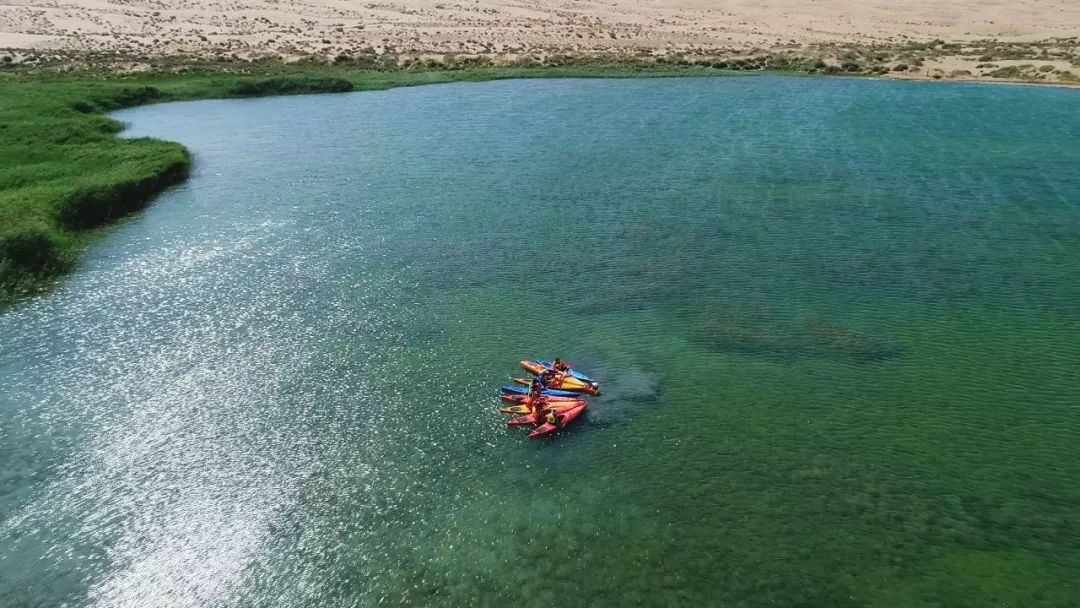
63,169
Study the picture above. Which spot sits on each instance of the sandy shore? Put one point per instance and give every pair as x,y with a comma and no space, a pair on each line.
1030,39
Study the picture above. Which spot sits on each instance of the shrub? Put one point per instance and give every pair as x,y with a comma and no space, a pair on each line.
129,97
28,250
290,86
1009,71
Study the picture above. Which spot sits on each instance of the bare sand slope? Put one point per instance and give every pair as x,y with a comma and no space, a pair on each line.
507,27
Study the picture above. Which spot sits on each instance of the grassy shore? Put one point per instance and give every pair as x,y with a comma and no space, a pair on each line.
63,170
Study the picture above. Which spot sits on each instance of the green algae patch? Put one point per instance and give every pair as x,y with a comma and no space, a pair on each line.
808,336
972,579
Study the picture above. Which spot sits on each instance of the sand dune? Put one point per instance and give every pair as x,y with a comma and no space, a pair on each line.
509,28
413,26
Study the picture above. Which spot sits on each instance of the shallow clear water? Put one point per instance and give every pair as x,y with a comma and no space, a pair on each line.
837,323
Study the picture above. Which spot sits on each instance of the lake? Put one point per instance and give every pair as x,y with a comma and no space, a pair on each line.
836,323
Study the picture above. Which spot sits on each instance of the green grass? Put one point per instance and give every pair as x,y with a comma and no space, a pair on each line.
63,169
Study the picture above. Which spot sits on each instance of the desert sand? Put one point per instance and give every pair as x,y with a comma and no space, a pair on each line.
511,29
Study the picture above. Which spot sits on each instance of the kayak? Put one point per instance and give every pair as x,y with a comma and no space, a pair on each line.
563,380
512,398
573,372
535,418
577,391
564,418
538,365
526,409
551,392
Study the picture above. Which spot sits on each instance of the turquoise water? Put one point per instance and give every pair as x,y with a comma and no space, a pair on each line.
837,323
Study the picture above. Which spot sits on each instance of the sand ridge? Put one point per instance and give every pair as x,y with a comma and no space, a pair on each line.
501,26
512,29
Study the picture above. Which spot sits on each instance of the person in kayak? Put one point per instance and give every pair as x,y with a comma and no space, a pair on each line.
552,418
548,376
560,366
536,390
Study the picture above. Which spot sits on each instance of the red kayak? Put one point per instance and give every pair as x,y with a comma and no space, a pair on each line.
526,400
527,419
564,418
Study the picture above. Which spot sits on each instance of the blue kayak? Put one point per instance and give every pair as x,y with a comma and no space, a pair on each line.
573,372
551,392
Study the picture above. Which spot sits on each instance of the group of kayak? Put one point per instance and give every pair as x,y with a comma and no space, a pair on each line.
551,399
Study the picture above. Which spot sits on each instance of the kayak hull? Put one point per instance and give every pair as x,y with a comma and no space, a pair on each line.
565,418
525,420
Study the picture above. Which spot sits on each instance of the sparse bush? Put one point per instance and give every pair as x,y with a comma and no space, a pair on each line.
1009,71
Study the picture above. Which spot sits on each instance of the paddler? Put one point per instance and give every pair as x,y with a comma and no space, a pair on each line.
552,418
548,376
560,366
536,390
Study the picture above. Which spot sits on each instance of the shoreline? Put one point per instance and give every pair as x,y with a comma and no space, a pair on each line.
49,202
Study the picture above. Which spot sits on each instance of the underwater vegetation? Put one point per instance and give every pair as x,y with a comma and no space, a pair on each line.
808,336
